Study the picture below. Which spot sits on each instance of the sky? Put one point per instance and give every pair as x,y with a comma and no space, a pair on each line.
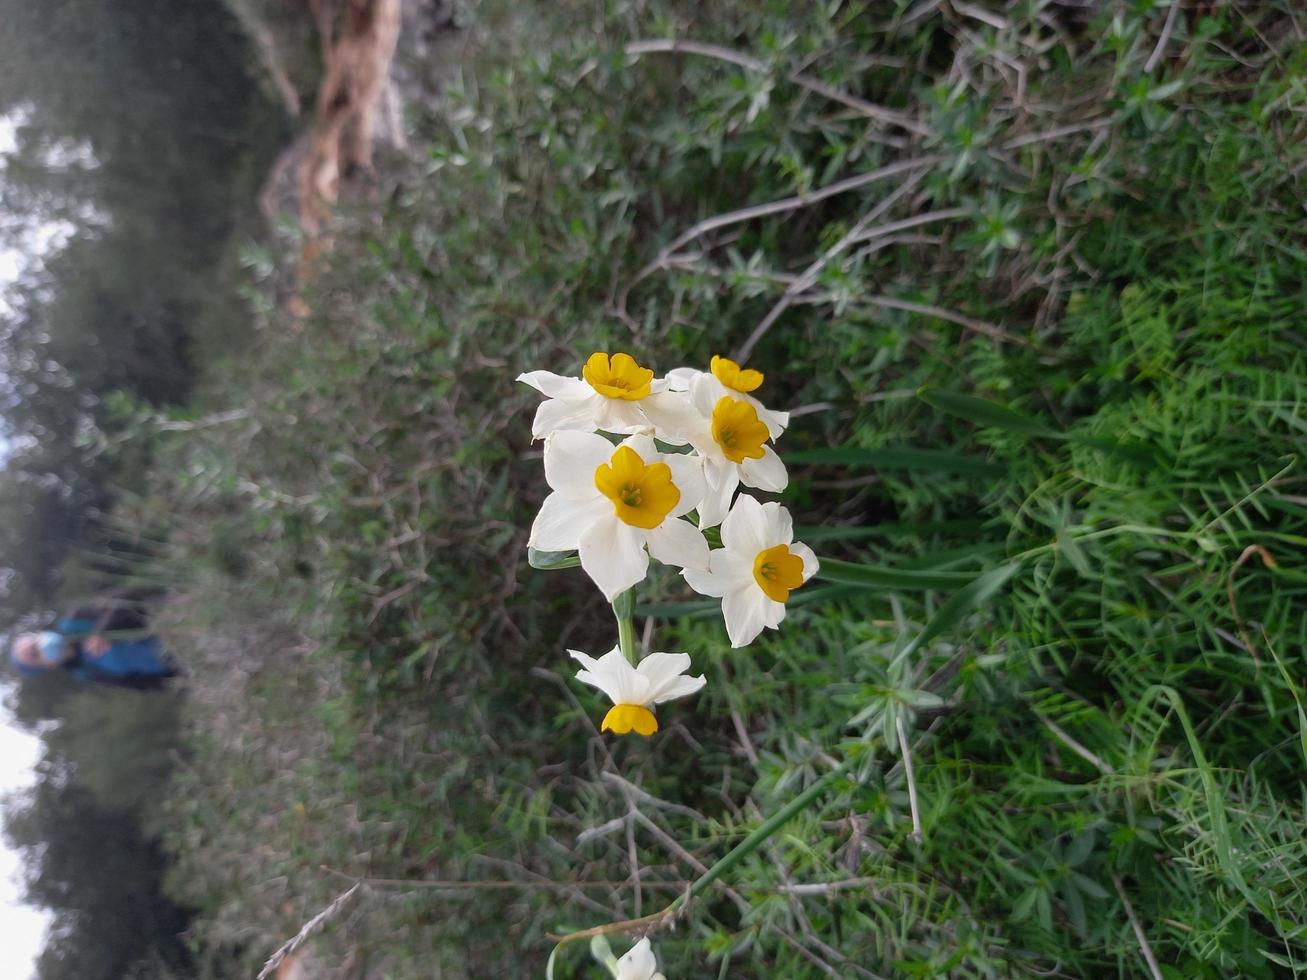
22,929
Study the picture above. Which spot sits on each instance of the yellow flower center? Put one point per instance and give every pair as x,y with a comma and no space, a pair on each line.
642,495
737,430
777,571
733,376
618,377
622,718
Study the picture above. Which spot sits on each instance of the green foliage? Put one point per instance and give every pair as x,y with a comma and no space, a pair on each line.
1087,357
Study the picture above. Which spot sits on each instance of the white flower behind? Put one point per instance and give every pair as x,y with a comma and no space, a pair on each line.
735,381
610,504
729,434
639,963
610,395
755,571
635,689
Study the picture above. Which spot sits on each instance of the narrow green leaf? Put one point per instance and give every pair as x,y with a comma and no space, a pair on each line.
960,604
879,577
981,411
711,608
891,529
897,458
550,560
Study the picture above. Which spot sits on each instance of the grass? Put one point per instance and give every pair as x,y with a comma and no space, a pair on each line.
1095,229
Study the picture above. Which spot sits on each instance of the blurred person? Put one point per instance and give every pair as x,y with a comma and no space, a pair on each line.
109,645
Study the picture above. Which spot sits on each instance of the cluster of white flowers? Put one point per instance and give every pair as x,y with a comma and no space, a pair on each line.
619,501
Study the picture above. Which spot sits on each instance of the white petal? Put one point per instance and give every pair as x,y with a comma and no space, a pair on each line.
778,523
665,673
591,673
705,392
745,613
556,385
776,422
730,567
687,474
810,562
706,583
678,379
613,674
638,963
644,447
612,553
744,530
571,459
672,415
767,473
667,677
722,480
620,416
678,543
773,613
562,520
557,414
726,572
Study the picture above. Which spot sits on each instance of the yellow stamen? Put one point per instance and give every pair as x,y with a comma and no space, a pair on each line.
733,376
737,430
777,571
642,495
622,718
618,377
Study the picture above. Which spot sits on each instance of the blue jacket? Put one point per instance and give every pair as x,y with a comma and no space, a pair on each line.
126,658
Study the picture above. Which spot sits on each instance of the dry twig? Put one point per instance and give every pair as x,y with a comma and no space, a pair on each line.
307,930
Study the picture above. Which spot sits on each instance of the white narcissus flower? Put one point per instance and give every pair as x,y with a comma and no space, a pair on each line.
634,690
756,570
610,395
729,434
610,503
736,381
639,963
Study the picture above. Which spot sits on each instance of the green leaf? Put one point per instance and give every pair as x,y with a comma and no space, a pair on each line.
919,699
879,577
892,529
710,608
548,561
960,604
897,458
983,412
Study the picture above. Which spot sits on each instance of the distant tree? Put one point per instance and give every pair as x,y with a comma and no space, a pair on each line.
141,134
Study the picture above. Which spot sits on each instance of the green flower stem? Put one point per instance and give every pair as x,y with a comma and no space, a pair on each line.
733,857
760,834
624,610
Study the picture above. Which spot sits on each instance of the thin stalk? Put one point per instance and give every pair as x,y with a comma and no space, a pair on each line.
624,610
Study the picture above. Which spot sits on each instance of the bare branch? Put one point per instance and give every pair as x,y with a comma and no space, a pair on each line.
1140,935
1156,56
869,109
1073,745
770,208
810,274
308,929
906,752
925,309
